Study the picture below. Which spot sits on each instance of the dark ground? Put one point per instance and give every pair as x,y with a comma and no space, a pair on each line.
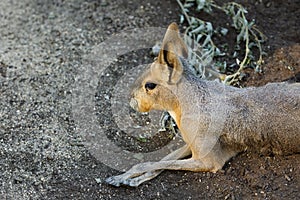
42,44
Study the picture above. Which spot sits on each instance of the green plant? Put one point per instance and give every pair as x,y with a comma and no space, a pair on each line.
199,37
203,51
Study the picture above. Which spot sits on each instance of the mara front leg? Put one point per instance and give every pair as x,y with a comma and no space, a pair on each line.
212,161
131,176
136,179
146,171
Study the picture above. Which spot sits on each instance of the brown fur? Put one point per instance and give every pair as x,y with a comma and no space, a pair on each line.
216,121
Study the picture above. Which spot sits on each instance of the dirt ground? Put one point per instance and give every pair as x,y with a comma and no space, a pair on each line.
42,156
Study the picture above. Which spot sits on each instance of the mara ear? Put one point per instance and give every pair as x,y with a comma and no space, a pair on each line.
168,65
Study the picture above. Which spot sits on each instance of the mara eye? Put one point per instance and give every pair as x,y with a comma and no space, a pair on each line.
150,86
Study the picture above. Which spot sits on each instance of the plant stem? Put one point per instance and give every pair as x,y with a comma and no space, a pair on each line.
183,10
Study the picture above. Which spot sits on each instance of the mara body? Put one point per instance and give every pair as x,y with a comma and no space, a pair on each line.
216,121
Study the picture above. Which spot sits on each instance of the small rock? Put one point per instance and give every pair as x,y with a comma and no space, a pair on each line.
98,180
287,177
103,3
51,15
138,156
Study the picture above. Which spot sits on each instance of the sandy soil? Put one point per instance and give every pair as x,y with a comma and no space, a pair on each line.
43,50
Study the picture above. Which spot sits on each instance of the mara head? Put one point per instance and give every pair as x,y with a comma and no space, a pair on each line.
152,89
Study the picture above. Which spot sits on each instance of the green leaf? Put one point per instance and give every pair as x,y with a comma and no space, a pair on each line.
235,54
200,4
199,36
181,19
224,31
198,29
219,53
188,5
207,40
209,27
